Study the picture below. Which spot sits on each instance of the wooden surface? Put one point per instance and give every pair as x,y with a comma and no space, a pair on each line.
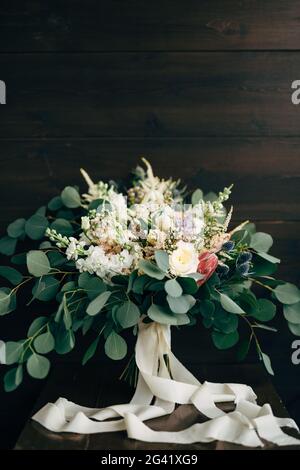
92,387
200,87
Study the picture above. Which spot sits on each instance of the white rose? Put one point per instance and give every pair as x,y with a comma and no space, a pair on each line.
184,260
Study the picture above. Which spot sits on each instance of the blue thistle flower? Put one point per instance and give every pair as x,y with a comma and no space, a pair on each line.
243,268
228,246
245,257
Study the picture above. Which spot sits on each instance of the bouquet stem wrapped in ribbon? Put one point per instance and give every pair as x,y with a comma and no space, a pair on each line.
146,259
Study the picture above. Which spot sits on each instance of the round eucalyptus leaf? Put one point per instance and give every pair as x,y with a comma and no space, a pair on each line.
4,301
13,378
225,341
62,226
13,351
128,314
287,293
96,305
55,204
64,341
294,328
38,263
70,197
45,288
162,260
92,285
188,284
151,269
161,315
197,196
8,245
115,346
261,241
173,288
11,274
38,366
265,310
207,308
17,228
225,322
292,313
181,304
36,325
35,226
44,343
230,306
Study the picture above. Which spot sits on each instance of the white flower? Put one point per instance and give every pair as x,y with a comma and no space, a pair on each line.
71,251
85,223
184,259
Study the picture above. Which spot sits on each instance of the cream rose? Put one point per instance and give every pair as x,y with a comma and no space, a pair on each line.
183,260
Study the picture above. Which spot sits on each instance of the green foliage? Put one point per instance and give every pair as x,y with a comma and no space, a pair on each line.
128,314
267,363
8,245
35,227
62,226
8,301
115,346
37,263
151,270
70,197
92,285
38,366
225,341
265,310
161,315
197,196
13,378
90,351
16,229
230,306
173,288
292,313
45,288
287,293
261,242
162,260
181,304
55,204
96,305
44,343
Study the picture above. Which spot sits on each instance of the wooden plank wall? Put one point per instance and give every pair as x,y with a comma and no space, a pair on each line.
200,87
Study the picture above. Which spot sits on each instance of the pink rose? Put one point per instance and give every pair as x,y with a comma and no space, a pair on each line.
208,263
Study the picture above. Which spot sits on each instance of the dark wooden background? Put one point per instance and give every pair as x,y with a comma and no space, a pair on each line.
200,87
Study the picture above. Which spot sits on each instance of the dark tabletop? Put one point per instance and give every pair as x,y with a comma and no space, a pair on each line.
93,386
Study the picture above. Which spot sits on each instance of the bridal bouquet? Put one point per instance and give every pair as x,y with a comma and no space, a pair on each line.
109,260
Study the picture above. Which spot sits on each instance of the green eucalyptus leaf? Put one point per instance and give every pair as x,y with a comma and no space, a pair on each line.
294,328
207,308
225,341
115,346
55,204
292,313
11,274
188,284
265,310
197,196
70,197
173,288
230,306
36,325
13,351
151,269
92,285
139,284
161,315
19,259
62,226
16,229
181,304
37,263
38,366
90,351
45,288
261,242
243,349
162,260
128,314
35,226
8,245
44,343
96,305
287,293
64,341
267,363
182,319
225,322
5,300
13,378
56,259
267,257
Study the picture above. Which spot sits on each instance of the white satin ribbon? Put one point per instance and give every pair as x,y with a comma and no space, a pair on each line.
247,425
